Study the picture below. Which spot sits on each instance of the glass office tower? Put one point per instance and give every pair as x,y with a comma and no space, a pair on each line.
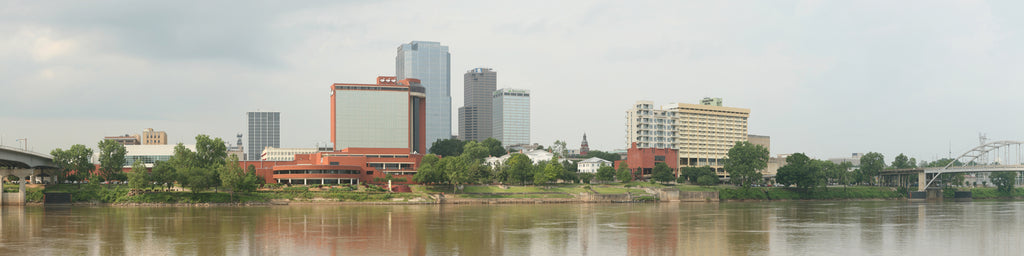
430,62
511,110
264,131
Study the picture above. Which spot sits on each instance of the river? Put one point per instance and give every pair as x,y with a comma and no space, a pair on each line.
744,228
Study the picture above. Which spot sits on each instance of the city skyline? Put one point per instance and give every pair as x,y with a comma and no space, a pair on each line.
828,79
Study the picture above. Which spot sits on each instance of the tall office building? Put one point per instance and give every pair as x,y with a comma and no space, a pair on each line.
388,114
511,116
475,116
702,133
264,131
430,62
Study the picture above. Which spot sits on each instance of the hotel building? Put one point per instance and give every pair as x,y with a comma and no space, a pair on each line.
702,133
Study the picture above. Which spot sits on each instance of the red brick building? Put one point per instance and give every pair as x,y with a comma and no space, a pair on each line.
641,161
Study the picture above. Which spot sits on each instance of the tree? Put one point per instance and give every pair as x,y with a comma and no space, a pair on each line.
662,173
560,149
707,180
520,168
870,164
586,177
233,177
455,170
198,179
111,158
611,157
606,173
210,153
138,178
447,147
624,174
1004,181
427,171
76,159
473,150
550,172
494,147
803,172
901,162
163,173
745,162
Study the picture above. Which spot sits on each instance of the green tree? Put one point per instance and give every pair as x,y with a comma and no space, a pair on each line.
624,174
494,147
474,150
691,174
138,178
550,172
163,173
428,171
662,173
1004,181
901,162
520,168
587,177
745,162
606,173
233,177
455,170
210,153
870,165
611,157
447,147
75,159
112,158
803,172
707,180
198,179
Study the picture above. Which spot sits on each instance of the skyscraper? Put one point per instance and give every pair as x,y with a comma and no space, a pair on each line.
388,114
475,117
430,62
511,114
264,131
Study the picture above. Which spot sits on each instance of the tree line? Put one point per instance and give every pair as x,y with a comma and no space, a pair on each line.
207,167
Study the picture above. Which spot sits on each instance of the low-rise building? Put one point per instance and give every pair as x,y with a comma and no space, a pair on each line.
592,164
535,155
285,154
641,161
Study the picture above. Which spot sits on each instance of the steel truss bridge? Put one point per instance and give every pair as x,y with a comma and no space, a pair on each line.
997,156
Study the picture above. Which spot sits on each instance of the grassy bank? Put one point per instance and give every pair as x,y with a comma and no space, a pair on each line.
832,193
993,193
94,193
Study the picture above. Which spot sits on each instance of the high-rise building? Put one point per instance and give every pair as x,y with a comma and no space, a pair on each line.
429,62
388,114
264,131
150,137
475,116
703,134
511,116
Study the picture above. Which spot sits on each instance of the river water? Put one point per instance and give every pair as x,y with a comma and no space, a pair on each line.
747,228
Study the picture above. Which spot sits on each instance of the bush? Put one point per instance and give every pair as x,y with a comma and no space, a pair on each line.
296,189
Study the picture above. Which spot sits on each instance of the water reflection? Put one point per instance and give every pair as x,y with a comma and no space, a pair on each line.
782,228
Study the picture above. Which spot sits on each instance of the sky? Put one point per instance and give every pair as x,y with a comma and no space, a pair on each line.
826,78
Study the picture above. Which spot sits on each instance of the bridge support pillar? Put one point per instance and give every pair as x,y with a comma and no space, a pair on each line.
922,181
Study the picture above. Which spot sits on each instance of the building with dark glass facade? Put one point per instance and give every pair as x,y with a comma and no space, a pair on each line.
475,116
264,131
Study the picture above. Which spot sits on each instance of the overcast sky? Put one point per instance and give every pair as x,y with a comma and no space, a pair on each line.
827,78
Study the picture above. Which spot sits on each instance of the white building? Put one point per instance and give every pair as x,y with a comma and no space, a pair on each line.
592,164
535,155
284,154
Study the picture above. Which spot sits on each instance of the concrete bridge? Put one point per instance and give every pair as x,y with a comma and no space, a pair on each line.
28,166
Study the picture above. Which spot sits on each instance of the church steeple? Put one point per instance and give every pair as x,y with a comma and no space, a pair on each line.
584,148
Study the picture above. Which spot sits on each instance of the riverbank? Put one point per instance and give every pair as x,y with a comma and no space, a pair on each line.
119,195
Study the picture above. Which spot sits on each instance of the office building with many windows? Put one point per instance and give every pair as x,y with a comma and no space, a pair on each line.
475,116
701,133
264,131
429,62
388,114
511,116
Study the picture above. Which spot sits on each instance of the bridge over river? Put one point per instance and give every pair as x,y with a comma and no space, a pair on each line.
998,156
